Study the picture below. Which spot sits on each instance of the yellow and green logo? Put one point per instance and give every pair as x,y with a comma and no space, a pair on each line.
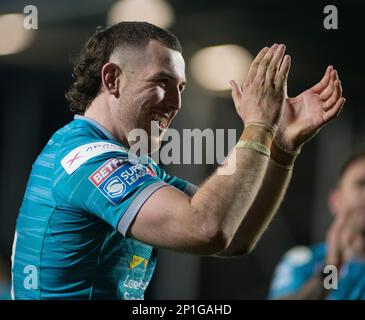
136,261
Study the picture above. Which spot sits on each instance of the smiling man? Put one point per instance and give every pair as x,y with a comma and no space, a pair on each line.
93,217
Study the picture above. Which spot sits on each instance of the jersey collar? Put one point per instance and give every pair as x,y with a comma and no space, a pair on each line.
96,124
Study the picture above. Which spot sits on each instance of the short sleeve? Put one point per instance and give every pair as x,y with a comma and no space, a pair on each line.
108,186
179,183
292,272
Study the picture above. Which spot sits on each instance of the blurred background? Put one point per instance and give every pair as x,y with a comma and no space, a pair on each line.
219,39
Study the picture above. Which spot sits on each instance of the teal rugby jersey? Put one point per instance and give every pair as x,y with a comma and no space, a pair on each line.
71,234
301,263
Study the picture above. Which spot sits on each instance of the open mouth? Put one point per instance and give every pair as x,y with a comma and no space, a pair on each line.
163,121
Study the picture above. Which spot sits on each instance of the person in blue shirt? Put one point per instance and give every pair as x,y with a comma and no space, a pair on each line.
301,273
95,213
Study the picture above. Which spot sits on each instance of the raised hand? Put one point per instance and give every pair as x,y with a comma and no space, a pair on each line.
304,115
353,236
346,236
261,97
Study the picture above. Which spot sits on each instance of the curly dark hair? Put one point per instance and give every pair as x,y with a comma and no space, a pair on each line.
97,51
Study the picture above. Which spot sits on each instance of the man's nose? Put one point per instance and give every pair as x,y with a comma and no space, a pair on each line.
174,99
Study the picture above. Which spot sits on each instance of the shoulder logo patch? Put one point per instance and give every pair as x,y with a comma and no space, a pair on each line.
74,159
116,178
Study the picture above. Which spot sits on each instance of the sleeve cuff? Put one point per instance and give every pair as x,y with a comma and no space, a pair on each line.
190,189
136,205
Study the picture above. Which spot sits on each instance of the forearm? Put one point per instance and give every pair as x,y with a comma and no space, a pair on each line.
264,207
223,200
266,204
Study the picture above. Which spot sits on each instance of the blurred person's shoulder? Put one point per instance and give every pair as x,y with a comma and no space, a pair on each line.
302,256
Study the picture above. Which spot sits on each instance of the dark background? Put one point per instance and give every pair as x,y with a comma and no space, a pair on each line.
32,107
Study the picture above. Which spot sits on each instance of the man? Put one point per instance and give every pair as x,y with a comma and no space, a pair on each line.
93,217
301,274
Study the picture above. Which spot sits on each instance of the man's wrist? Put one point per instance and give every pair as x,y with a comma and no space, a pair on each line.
257,136
282,157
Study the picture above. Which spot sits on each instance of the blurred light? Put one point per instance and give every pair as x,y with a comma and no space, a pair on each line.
214,67
14,37
157,12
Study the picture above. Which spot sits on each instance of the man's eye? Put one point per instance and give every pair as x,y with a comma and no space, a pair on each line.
163,81
360,183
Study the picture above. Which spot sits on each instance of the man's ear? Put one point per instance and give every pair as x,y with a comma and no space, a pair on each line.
334,202
110,78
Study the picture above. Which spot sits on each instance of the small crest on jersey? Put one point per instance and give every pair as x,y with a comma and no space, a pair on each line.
136,261
116,178
115,187
74,159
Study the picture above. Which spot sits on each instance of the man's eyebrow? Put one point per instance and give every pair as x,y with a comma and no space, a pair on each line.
167,75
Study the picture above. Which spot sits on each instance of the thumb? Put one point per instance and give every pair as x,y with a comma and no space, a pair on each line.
236,92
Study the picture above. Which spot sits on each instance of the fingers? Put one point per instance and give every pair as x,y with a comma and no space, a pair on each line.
327,92
282,74
255,64
335,110
331,96
275,63
320,86
265,63
336,94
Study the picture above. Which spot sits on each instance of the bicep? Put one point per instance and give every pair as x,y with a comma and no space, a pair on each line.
168,220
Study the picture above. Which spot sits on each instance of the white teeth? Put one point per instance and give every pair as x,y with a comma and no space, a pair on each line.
156,117
162,120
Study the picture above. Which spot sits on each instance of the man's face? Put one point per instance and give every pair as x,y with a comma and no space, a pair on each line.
151,91
351,190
